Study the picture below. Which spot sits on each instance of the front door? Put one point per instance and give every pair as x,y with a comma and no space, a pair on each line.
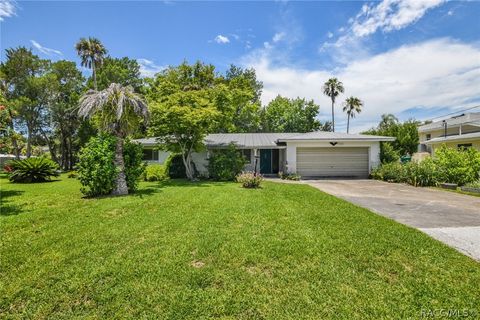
266,161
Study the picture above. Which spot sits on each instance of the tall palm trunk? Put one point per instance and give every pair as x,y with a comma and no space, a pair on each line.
94,74
348,122
121,187
333,115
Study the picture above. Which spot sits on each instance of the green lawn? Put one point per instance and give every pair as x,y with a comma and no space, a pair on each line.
214,250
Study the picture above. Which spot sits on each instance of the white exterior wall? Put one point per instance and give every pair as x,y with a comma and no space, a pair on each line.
373,151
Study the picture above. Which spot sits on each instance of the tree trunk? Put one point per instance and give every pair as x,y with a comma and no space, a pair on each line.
29,142
94,74
121,187
12,136
187,162
50,145
70,153
333,116
348,122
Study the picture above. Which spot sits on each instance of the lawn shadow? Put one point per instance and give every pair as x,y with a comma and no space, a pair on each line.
199,183
7,209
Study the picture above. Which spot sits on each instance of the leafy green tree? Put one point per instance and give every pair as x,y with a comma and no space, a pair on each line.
118,111
23,92
406,133
244,98
92,53
290,115
124,71
332,88
352,106
187,102
181,121
63,120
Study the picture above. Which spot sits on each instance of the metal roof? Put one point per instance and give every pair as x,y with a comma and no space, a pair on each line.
147,142
466,136
270,140
472,118
246,140
335,136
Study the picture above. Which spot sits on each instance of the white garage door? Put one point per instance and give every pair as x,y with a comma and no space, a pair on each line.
332,162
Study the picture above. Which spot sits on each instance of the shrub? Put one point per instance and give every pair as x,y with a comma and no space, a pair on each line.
33,170
226,164
176,168
96,169
155,172
134,165
475,184
449,165
388,154
458,166
289,176
250,179
391,172
422,174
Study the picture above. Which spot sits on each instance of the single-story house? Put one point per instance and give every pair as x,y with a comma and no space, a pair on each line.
313,154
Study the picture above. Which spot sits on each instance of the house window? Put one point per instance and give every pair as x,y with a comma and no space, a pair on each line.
247,154
429,136
150,155
464,146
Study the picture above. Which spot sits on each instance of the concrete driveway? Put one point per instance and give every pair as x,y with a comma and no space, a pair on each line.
446,216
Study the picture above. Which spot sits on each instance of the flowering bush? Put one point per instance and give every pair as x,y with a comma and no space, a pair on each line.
7,168
250,179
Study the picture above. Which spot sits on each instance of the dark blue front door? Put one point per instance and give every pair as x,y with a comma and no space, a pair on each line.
266,161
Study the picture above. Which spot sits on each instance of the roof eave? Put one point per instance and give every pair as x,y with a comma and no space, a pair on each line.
340,139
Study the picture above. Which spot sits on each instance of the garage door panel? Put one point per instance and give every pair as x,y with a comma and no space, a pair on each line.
332,162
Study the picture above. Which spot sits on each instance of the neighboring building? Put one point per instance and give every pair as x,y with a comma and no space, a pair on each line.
456,132
313,154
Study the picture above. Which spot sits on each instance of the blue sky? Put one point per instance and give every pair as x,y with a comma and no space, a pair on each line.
412,58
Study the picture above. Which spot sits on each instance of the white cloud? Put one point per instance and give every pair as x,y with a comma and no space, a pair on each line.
7,9
279,36
436,73
329,35
386,16
148,68
45,50
221,39
390,15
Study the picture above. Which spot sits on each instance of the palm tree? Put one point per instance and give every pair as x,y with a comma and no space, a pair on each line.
351,106
119,110
332,88
92,52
